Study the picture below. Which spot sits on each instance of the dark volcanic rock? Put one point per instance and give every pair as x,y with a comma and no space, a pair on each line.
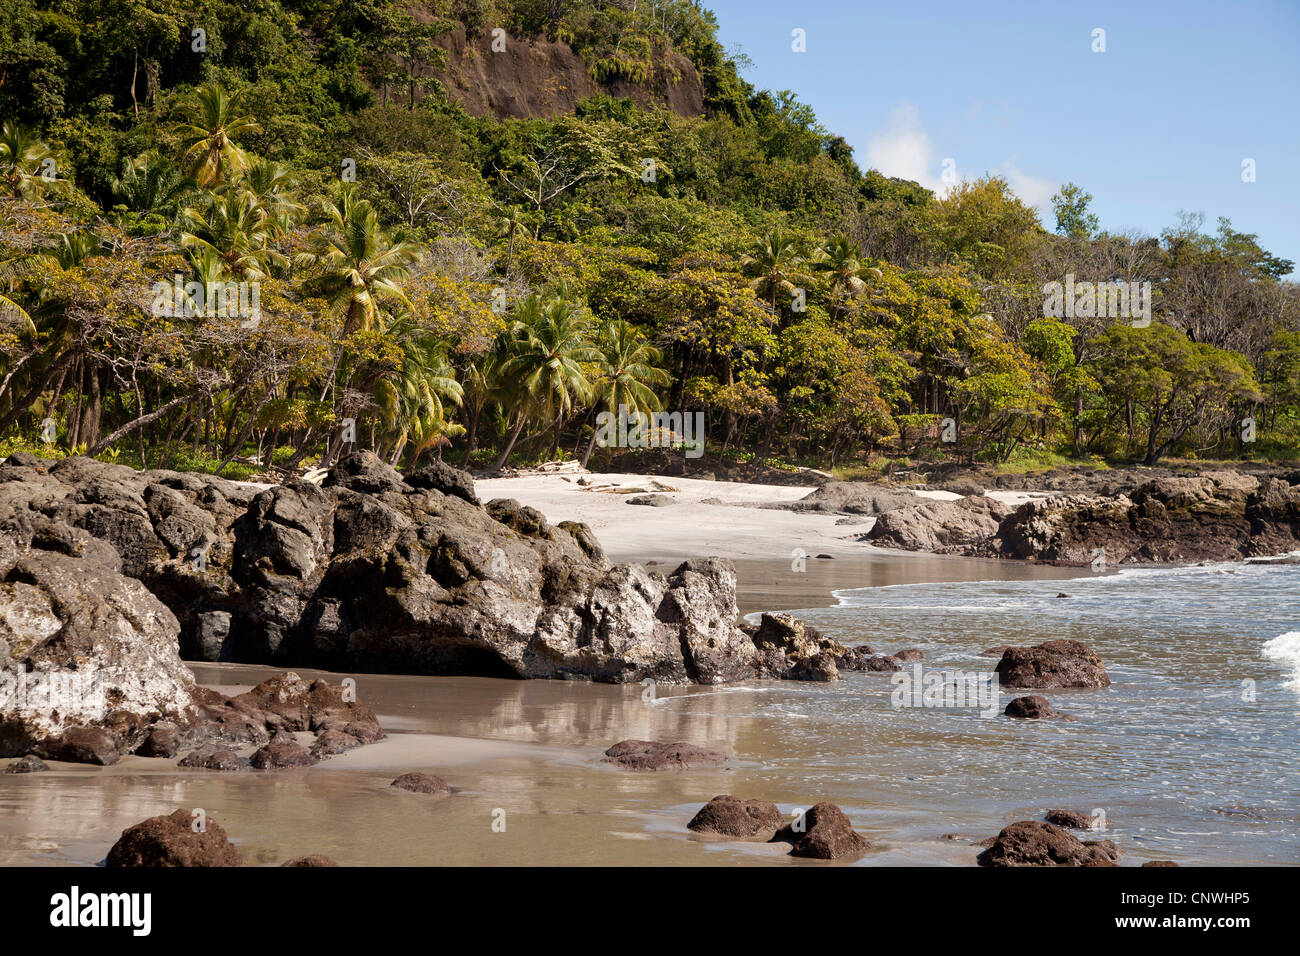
163,740
822,833
1071,819
730,816
1052,664
652,755
1034,843
371,571
281,754
441,477
426,783
313,860
29,764
172,841
790,649
83,745
213,757
1029,707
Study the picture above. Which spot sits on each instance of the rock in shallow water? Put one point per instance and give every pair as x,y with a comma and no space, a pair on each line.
1052,664
28,764
425,783
1033,707
1034,843
173,841
313,860
730,816
823,833
653,755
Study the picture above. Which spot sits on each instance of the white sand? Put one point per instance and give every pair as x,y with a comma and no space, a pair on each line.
689,527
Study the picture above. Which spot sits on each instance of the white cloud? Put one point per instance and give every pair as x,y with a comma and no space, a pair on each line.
904,150
1032,190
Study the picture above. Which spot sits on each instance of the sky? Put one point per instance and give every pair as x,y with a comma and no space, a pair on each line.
1158,123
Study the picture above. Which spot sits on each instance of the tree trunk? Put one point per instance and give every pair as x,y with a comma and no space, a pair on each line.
510,445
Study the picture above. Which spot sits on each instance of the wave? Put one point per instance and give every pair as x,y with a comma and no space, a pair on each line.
1285,649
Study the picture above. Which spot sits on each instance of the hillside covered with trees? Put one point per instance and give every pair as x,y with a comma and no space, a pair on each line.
243,237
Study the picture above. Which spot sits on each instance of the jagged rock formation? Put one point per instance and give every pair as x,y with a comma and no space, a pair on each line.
372,571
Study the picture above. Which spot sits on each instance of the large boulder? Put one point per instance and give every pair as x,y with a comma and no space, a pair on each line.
823,833
93,660
729,816
942,527
1052,664
178,839
1035,843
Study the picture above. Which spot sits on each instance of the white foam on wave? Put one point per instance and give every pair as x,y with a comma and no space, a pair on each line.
1285,649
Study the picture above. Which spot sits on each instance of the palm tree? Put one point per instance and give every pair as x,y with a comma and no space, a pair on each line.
548,345
841,258
629,373
269,184
148,184
412,398
233,228
21,157
777,262
213,121
364,268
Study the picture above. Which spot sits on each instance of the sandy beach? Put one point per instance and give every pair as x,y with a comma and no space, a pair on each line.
529,749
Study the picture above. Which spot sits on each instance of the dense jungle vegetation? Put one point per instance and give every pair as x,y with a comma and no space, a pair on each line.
241,236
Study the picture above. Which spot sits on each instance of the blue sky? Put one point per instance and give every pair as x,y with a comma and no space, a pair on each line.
1160,122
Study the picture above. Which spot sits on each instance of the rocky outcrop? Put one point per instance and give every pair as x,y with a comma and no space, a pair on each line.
534,76
728,816
372,571
314,859
90,655
790,649
1052,664
1215,516
175,840
1034,843
942,527
655,755
823,833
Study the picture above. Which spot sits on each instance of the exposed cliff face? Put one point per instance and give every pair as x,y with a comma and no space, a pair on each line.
539,77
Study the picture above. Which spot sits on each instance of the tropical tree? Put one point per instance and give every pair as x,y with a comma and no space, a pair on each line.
213,121
628,373
22,158
548,345
777,264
